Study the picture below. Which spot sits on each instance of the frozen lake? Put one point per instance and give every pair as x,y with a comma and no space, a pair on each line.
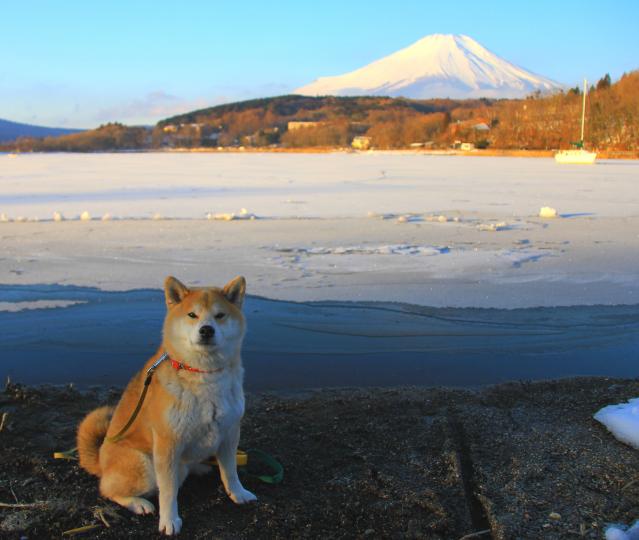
363,269
182,185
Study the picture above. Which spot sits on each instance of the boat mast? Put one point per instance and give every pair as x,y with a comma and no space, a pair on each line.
583,113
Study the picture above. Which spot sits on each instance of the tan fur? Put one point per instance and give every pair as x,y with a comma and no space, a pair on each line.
186,416
91,433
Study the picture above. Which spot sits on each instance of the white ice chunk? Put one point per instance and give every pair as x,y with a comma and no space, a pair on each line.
57,216
232,216
547,212
85,216
622,421
492,227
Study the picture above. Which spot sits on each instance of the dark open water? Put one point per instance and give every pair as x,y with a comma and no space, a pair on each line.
291,346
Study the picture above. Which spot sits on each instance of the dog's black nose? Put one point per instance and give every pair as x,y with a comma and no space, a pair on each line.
207,332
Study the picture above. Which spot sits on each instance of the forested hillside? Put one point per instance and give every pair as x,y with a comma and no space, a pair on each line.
535,123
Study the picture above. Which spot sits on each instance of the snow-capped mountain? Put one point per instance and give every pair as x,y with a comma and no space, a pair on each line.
437,66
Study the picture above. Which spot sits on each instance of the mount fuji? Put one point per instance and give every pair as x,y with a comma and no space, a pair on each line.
436,66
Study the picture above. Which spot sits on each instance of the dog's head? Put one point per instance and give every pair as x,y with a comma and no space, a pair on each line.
204,321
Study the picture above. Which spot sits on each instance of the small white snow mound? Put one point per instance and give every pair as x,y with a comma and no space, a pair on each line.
492,227
622,421
21,219
547,212
85,216
4,218
57,217
107,217
621,532
157,217
244,214
440,219
222,217
408,218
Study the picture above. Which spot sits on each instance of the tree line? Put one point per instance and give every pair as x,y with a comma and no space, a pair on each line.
536,123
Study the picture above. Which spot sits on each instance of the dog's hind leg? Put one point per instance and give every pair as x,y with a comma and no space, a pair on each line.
126,475
137,505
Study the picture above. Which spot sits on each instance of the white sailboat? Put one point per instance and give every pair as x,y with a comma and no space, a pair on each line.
579,155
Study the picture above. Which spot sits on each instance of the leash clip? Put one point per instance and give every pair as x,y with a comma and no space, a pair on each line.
157,363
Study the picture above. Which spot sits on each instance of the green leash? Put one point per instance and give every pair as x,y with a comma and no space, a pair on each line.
275,466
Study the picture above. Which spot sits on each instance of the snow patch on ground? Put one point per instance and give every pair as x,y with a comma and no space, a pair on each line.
622,421
621,532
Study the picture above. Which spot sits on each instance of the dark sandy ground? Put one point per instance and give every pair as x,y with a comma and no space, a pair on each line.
520,460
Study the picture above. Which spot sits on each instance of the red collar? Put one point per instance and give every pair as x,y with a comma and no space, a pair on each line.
177,366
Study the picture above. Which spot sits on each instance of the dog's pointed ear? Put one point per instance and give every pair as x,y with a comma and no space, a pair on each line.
234,291
174,291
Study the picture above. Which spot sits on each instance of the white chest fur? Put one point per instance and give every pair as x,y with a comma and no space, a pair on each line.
205,411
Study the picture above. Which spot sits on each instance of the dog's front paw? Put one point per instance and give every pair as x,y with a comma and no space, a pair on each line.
242,496
170,526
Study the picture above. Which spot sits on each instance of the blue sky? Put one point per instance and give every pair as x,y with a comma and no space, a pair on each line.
80,64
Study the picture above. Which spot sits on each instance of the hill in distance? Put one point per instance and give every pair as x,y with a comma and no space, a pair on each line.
10,131
436,66
539,122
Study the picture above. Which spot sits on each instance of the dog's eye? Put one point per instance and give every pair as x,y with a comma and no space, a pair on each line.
220,316
192,315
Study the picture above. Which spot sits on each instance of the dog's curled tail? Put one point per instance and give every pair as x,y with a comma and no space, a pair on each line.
91,433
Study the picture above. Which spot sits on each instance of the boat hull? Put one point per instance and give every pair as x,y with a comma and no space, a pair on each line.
575,157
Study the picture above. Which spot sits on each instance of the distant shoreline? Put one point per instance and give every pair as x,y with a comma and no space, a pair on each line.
604,154
601,154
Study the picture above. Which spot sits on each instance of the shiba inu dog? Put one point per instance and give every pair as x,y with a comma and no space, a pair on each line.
192,409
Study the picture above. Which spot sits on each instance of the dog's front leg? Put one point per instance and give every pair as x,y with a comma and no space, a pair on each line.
165,462
227,461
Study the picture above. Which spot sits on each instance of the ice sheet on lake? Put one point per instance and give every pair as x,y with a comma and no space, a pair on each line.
38,304
393,249
331,185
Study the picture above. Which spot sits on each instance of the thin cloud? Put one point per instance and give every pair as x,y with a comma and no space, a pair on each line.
151,108
158,105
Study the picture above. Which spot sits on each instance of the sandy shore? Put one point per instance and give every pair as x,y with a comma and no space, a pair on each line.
517,461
